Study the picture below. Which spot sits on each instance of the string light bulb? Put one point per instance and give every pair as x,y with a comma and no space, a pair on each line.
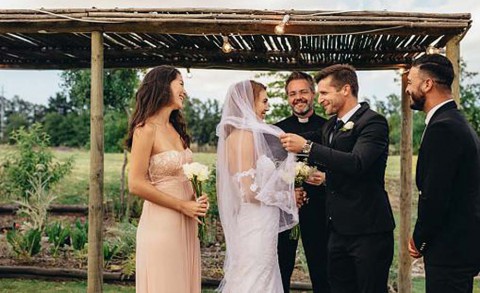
226,47
189,74
433,50
280,28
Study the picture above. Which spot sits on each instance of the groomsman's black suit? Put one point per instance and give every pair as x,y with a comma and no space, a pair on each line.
312,222
447,231
360,219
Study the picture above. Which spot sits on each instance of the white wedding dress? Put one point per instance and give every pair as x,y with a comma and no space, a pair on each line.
254,265
255,195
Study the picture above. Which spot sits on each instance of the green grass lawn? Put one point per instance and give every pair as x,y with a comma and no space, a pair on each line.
37,286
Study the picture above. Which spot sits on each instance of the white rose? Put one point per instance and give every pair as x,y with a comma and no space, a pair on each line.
348,126
196,169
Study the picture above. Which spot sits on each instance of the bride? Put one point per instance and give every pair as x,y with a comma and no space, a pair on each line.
255,191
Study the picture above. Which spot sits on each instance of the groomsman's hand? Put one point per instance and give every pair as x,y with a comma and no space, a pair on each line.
317,178
292,142
412,249
300,196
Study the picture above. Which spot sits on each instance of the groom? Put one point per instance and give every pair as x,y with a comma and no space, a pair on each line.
300,90
353,151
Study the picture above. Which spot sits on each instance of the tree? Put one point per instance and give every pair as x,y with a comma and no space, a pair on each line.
119,88
469,96
59,104
202,120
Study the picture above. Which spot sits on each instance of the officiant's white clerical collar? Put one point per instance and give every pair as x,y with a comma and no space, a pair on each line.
303,120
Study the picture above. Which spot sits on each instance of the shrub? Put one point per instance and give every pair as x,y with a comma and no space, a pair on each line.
33,157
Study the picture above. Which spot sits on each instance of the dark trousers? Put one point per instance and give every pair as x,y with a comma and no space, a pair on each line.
359,263
440,279
314,239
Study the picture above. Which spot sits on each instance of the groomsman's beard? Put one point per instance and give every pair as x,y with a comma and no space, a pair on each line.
417,102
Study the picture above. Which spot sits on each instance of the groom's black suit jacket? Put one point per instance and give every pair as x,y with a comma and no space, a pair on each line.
447,231
355,163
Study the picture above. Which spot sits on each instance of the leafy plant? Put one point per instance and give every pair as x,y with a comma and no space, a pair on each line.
124,235
19,167
40,199
25,244
110,250
128,265
58,236
79,235
212,215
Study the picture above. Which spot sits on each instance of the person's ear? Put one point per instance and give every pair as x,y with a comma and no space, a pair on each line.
428,84
346,90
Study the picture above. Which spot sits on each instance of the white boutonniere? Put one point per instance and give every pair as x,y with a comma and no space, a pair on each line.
348,126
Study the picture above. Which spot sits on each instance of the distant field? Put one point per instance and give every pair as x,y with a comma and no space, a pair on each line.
74,188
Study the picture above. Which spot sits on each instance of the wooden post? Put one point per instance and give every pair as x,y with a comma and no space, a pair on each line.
95,200
453,53
404,260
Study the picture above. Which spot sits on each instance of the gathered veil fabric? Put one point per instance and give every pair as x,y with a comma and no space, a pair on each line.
255,188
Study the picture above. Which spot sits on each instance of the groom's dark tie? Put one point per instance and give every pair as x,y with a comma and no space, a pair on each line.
336,127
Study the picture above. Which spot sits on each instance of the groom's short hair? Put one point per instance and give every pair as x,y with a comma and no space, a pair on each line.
299,75
341,74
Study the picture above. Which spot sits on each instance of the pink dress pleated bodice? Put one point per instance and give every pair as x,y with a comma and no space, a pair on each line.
168,249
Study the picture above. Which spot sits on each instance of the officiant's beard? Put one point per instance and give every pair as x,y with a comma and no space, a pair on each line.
303,110
417,101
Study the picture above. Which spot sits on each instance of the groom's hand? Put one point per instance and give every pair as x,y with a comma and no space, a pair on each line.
292,142
412,249
317,178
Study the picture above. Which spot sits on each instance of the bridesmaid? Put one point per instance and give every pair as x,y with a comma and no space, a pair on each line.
168,249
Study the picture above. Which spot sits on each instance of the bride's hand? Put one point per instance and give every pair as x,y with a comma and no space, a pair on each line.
194,209
300,196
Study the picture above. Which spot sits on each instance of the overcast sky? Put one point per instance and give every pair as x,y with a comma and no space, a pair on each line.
37,86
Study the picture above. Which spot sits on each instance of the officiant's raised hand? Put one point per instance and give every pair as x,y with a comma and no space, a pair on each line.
292,142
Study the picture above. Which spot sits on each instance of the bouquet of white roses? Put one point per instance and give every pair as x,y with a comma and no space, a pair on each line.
197,174
302,172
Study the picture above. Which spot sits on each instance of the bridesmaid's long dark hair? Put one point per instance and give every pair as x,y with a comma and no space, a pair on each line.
153,94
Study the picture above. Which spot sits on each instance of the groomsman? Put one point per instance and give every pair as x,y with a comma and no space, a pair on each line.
300,90
447,231
354,153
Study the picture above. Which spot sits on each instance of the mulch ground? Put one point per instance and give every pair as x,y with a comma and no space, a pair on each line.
212,255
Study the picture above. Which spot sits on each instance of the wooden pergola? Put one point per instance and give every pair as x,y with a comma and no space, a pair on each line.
194,38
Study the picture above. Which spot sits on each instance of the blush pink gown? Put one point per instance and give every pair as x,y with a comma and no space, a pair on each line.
168,249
